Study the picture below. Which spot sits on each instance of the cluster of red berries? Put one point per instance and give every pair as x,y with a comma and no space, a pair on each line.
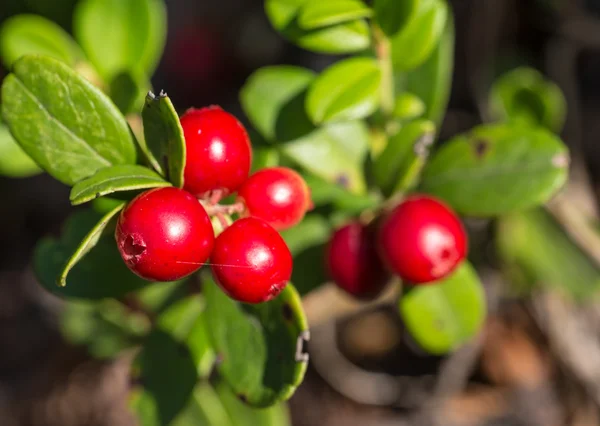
166,234
421,240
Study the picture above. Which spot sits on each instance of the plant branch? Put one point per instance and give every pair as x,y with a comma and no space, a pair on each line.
384,56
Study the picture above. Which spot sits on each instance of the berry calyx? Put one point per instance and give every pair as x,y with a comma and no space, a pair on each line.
353,263
422,239
218,151
250,261
277,195
164,234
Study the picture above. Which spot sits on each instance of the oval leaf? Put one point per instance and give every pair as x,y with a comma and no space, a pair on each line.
121,35
115,179
349,37
13,160
64,123
393,15
316,14
413,45
164,137
348,90
33,34
445,314
408,106
260,347
496,169
204,409
128,92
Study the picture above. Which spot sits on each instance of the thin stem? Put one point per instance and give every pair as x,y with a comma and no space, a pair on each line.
384,56
228,209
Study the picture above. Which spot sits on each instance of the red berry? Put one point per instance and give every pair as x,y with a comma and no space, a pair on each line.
353,263
250,261
422,239
164,234
277,195
218,151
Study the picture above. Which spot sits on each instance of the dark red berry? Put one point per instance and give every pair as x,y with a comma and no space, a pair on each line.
164,234
218,151
250,261
422,239
352,261
278,195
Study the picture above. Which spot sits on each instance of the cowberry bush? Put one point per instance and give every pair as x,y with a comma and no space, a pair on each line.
195,237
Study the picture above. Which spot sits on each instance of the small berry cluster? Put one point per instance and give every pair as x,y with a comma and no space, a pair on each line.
421,240
165,234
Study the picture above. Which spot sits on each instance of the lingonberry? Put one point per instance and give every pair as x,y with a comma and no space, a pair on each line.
352,261
218,151
250,261
278,195
422,239
164,234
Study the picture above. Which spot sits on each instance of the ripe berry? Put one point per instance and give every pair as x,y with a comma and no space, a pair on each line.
278,195
353,263
422,239
218,151
164,234
250,261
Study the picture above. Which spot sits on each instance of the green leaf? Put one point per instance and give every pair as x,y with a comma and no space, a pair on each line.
273,100
408,106
63,122
398,167
115,179
259,346
495,169
14,162
335,153
445,314
164,137
419,37
100,274
393,15
537,252
121,35
524,96
347,90
33,34
128,92
432,81
282,13
204,409
316,14
264,157
87,244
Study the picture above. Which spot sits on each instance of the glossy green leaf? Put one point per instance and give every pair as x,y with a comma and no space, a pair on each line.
524,96
87,244
446,314
419,37
316,14
164,137
63,122
33,34
260,347
335,153
408,106
128,92
348,90
121,35
282,13
538,252
495,169
14,162
398,167
115,179
393,15
100,274
273,100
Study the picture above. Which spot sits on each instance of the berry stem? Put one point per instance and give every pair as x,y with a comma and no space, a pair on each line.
383,50
221,209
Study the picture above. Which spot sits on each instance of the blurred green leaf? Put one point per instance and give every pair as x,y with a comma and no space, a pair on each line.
63,122
258,346
496,169
418,38
263,157
393,15
524,96
115,179
323,193
408,106
128,91
121,35
164,137
348,90
316,14
204,409
445,314
14,162
33,34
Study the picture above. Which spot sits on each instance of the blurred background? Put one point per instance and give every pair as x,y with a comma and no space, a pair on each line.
537,361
